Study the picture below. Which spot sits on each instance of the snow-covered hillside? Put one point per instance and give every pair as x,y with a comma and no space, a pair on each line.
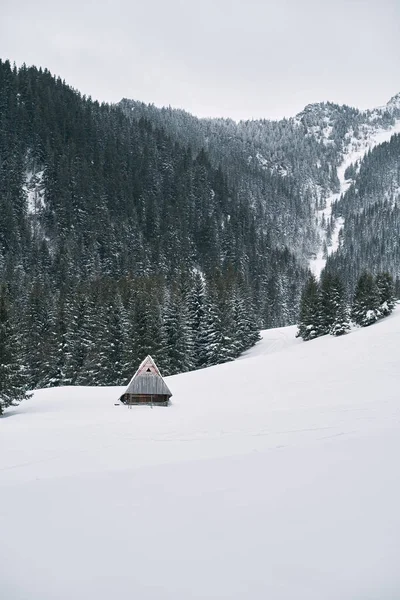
369,135
275,476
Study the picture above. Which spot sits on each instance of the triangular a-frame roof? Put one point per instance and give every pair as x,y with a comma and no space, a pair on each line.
147,365
148,380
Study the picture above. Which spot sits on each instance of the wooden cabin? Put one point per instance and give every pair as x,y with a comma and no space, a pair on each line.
147,386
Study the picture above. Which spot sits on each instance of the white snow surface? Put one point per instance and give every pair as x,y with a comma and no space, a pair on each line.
275,476
34,190
357,147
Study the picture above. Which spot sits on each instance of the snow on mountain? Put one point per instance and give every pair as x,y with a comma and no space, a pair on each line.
356,145
34,191
394,104
271,477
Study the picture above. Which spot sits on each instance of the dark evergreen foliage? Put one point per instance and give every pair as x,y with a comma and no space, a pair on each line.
341,320
370,239
334,314
286,168
12,377
365,306
128,230
385,286
324,306
310,314
116,241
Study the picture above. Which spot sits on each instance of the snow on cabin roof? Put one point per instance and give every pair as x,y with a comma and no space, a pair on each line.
148,380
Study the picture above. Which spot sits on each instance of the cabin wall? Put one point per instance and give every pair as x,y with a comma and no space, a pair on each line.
161,400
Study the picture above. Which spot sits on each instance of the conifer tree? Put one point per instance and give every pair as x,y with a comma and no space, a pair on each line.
111,342
333,310
309,325
12,380
246,330
40,346
365,308
195,310
212,340
177,342
60,337
93,336
131,359
77,338
240,325
385,286
341,321
148,322
327,303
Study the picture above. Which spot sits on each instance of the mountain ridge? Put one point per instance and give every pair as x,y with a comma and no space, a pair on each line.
392,104
310,150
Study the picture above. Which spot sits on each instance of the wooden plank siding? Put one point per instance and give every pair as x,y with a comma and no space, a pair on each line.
158,399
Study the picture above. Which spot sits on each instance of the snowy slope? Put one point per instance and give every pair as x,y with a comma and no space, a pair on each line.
275,476
273,340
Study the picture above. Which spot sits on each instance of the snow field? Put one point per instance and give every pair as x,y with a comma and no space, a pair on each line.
274,476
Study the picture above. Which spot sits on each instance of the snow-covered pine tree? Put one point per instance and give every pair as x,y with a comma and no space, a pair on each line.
248,322
365,307
240,325
341,321
177,341
327,305
40,346
148,322
77,337
333,310
111,343
131,358
309,324
195,310
12,378
213,347
92,328
59,335
385,286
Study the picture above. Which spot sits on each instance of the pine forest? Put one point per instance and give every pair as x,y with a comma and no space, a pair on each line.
128,230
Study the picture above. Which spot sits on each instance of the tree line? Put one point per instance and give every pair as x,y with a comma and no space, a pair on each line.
108,212
98,333
105,222
325,307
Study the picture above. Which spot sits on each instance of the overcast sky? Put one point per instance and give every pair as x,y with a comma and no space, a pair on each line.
233,58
